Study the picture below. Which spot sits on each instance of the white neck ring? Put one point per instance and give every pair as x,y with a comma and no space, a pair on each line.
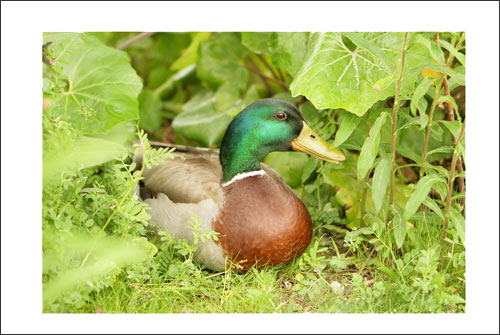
244,175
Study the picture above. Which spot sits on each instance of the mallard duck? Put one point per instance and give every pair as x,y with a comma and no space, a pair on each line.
258,218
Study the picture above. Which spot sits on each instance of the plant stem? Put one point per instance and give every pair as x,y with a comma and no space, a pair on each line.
134,39
395,109
253,67
450,189
429,124
368,258
451,117
363,196
434,102
269,67
281,75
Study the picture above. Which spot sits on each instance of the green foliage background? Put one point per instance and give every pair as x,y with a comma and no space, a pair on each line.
369,254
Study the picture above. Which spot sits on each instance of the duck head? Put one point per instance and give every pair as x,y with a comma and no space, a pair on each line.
264,126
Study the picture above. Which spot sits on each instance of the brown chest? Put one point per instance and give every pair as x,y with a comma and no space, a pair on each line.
262,221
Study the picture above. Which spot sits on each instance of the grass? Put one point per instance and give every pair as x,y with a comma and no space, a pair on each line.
343,271
293,288
355,270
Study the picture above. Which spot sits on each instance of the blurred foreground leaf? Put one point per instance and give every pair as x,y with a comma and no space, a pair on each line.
95,258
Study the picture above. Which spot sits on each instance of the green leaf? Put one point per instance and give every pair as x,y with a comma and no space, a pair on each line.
458,55
226,96
436,52
288,51
458,222
408,152
434,49
290,166
430,203
310,114
251,95
349,122
405,121
349,189
381,178
309,168
453,126
190,54
85,152
199,113
437,132
177,76
457,76
444,149
360,41
399,227
419,93
334,76
108,254
258,42
220,59
421,191
424,120
370,147
102,86
150,110
167,47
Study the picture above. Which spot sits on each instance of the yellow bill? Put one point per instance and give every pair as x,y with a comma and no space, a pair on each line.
310,143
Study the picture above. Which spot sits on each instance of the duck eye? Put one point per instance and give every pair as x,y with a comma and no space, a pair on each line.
280,116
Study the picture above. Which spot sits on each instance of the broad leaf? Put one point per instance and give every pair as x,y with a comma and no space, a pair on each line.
421,191
258,42
225,97
102,86
220,60
370,147
288,51
349,189
353,71
85,152
200,113
381,179
289,165
437,132
108,255
150,110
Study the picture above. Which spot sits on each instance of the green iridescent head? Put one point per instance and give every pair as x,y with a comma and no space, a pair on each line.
268,125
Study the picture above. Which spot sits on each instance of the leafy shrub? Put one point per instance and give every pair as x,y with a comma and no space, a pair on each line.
389,223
